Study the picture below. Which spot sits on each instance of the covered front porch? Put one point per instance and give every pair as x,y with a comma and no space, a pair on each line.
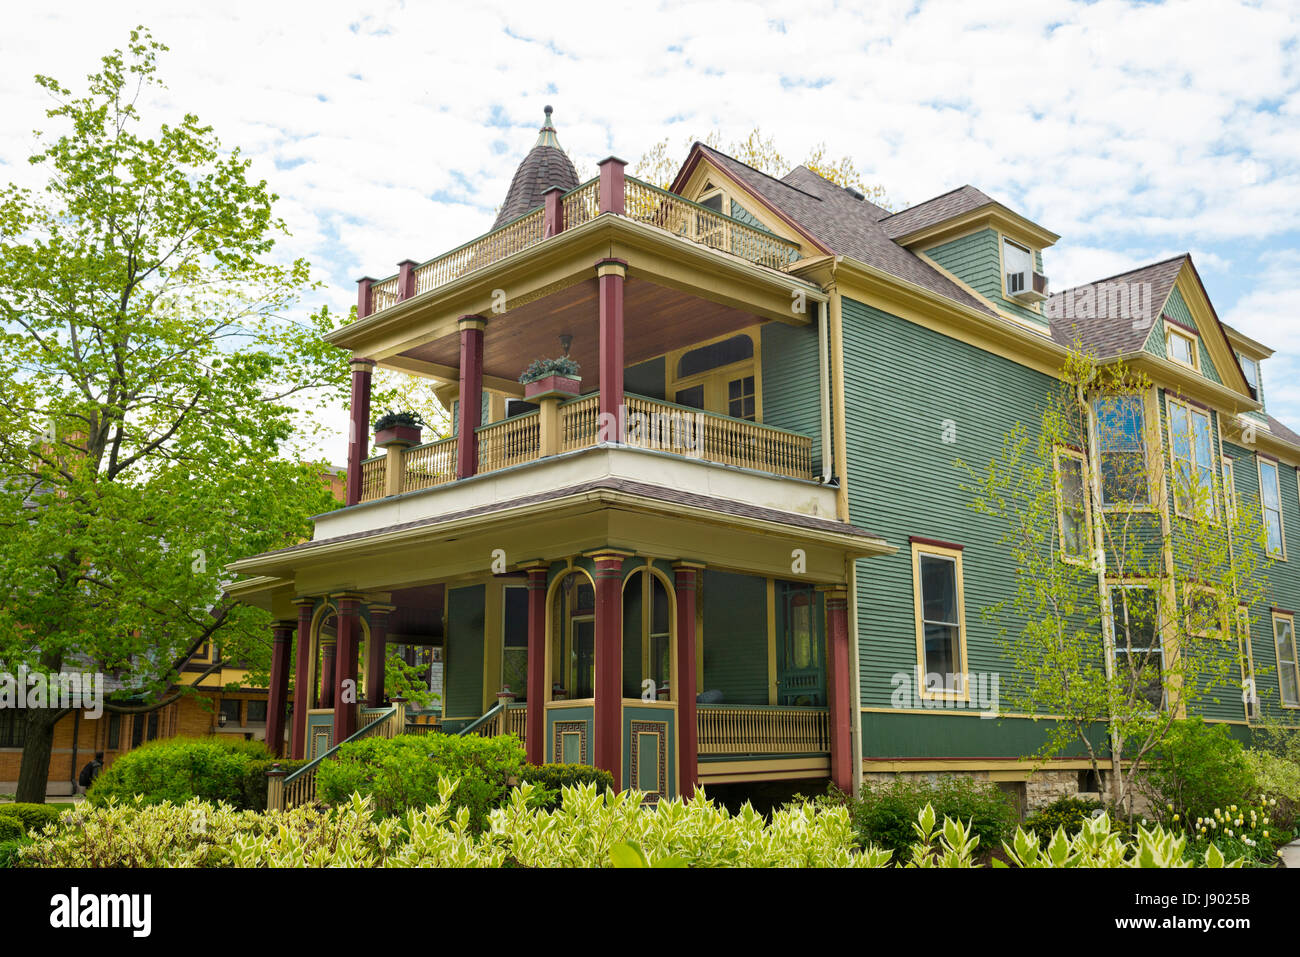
671,638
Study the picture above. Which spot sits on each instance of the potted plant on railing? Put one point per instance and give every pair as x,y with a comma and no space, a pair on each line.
393,428
548,378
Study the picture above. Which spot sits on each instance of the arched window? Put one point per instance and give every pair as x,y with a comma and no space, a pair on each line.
718,377
573,637
647,636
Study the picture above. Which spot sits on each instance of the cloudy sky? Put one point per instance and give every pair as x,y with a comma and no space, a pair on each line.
391,130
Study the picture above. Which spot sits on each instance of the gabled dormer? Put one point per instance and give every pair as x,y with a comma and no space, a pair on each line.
990,249
1250,357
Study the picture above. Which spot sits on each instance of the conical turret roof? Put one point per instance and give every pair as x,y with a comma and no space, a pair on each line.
546,165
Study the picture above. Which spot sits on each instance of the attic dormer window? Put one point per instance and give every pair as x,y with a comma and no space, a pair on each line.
1182,348
1250,368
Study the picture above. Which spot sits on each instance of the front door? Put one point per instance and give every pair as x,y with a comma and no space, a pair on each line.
800,647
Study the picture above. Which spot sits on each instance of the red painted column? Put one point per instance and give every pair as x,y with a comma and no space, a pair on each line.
301,692
553,211
281,643
363,296
471,394
613,185
610,275
839,697
405,279
345,668
378,651
609,664
535,732
686,578
358,425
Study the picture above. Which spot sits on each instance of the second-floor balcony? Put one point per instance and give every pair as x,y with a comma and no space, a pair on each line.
649,424
692,336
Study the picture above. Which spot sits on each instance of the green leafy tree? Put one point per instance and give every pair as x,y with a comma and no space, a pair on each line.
1131,565
153,357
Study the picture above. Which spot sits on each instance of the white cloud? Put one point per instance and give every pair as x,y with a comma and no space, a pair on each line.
392,130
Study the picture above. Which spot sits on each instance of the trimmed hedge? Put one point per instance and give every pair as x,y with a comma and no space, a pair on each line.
11,828
178,769
402,773
30,817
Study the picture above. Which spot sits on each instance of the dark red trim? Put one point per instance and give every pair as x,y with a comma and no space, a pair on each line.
610,293
1272,458
345,668
363,296
609,667
1279,611
358,426
685,582
839,698
1179,397
1196,333
918,540
471,398
281,644
405,279
613,185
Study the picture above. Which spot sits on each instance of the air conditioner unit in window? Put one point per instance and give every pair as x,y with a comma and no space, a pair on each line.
1027,286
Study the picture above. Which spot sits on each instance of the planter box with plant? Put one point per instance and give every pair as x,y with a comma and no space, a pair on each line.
551,378
393,428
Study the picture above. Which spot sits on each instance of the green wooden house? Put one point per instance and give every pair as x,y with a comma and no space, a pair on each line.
708,556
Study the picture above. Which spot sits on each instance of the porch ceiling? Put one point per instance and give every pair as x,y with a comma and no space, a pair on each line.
656,319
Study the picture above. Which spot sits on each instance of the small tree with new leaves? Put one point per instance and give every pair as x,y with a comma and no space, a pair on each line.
153,354
1131,566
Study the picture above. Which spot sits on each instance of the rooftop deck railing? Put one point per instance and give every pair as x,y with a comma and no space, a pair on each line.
642,202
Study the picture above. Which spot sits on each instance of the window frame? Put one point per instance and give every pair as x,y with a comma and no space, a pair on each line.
1146,432
1228,476
926,548
1006,241
1217,598
521,695
1063,451
1249,684
1192,411
1244,360
1158,631
714,382
1260,461
1193,340
1278,615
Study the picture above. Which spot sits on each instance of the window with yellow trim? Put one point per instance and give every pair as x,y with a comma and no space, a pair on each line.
1249,689
1229,490
1073,511
1122,450
1191,448
1139,652
940,621
1270,500
1288,671
1206,614
1181,347
720,376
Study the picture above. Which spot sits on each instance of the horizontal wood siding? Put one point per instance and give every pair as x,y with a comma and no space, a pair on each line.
791,396
977,261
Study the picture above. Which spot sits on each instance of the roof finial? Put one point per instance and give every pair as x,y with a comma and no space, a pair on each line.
546,136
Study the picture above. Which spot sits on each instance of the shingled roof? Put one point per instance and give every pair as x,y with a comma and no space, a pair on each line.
953,203
842,223
1109,324
546,165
